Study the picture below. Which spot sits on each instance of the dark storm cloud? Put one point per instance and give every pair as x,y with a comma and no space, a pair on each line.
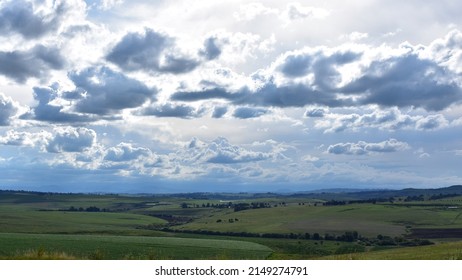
406,81
150,51
249,112
33,63
170,110
20,17
104,91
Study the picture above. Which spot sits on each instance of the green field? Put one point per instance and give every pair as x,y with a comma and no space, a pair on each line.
128,247
14,219
206,226
445,251
368,219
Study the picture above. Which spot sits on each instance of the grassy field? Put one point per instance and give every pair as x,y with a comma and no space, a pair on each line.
126,247
19,219
445,251
368,219
38,225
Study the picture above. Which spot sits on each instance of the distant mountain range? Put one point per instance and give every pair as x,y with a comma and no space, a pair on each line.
327,194
377,194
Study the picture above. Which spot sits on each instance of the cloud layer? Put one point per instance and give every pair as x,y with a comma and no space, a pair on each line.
275,95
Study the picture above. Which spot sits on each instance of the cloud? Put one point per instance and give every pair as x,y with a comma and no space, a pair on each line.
102,91
70,139
213,93
392,119
364,148
219,112
32,63
432,122
250,11
22,138
268,95
126,152
154,52
220,151
211,50
355,36
8,109
322,64
295,11
447,51
171,110
315,112
31,19
406,81
47,110
249,112
350,75
109,4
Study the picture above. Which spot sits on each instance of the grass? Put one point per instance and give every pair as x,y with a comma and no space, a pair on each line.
444,251
43,246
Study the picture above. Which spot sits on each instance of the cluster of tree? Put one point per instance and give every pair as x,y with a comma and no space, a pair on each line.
88,209
229,220
348,236
237,206
254,205
440,196
414,198
206,205
335,202
384,240
359,201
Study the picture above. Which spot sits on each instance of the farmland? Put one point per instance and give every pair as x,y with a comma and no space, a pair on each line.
362,225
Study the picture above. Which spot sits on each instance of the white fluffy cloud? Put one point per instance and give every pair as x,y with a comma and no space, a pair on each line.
364,148
270,92
388,120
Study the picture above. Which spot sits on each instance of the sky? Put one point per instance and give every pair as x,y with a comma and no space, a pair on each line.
229,96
